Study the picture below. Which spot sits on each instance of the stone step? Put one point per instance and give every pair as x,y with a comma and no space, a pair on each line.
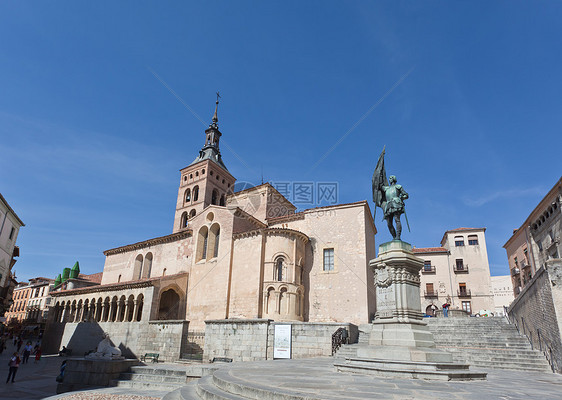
147,385
130,376
207,390
411,369
157,371
498,345
187,392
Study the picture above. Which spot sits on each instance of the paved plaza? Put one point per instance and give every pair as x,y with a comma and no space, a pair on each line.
33,381
317,379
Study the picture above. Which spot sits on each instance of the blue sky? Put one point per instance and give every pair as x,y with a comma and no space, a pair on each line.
465,96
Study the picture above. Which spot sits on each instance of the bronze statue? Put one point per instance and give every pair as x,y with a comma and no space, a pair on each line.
389,196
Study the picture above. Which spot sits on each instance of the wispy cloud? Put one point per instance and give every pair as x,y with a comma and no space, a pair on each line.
502,194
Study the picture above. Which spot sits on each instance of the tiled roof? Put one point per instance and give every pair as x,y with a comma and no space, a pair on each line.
116,285
92,277
429,250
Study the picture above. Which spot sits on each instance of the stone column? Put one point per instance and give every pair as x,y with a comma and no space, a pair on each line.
103,309
135,309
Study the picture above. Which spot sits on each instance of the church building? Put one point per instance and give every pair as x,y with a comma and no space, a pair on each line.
231,256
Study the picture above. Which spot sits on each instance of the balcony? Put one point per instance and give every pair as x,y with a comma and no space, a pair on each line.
460,269
464,293
428,269
429,294
515,271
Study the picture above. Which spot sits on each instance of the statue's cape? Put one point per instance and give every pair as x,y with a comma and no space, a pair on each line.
379,180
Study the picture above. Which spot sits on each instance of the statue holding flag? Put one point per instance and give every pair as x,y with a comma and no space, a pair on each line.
389,196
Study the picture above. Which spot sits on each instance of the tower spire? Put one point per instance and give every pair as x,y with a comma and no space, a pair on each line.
215,115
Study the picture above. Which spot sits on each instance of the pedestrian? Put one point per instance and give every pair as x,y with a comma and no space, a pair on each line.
26,352
2,345
446,309
14,364
37,354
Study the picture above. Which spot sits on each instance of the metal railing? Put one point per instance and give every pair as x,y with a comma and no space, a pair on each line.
544,345
464,293
428,269
339,337
460,268
431,293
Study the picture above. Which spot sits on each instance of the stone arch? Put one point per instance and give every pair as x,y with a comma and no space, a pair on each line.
137,269
106,309
113,314
187,195
79,310
73,311
222,201
202,242
195,193
98,315
121,309
140,304
85,310
215,197
130,310
429,310
147,265
169,304
93,309
270,300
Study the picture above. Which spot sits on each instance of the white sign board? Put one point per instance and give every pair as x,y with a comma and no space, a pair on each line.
282,341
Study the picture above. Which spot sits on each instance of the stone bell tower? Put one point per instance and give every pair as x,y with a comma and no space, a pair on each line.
204,182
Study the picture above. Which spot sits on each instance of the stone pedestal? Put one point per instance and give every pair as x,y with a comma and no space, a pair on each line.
400,343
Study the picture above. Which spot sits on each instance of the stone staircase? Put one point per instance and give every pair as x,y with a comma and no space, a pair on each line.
487,342
161,377
480,342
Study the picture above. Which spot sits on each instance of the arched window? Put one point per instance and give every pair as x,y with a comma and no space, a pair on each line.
279,269
164,272
147,266
188,195
222,202
214,197
202,242
196,193
192,213
213,242
119,278
183,221
217,239
138,267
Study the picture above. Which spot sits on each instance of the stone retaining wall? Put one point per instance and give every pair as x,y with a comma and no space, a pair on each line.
241,340
83,374
311,339
168,338
537,312
252,339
